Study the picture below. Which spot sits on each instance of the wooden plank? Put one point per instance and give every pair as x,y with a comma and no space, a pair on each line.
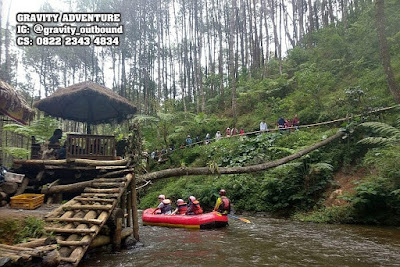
69,231
66,167
105,195
105,184
109,180
94,199
95,190
37,242
74,220
109,167
73,243
88,207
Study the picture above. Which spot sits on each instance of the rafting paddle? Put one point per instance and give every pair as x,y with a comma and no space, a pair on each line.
238,218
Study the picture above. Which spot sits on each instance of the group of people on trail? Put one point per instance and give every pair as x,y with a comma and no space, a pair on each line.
282,124
192,207
233,131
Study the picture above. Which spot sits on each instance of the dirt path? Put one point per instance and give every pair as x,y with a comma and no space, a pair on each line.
9,213
345,184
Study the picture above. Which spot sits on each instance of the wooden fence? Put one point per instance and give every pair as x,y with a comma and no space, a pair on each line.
83,146
9,139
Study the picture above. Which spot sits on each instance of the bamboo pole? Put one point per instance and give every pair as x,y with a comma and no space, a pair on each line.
134,208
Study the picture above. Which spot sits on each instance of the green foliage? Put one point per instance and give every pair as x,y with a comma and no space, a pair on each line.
335,214
42,129
32,228
293,186
17,152
388,134
13,231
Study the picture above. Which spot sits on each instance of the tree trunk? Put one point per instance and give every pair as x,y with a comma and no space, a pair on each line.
232,71
384,51
7,41
237,170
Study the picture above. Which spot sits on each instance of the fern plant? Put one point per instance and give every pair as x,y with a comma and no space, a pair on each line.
385,134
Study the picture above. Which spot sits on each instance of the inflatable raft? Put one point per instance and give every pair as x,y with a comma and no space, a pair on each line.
202,221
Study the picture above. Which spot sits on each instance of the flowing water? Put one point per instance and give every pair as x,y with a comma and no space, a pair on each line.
264,242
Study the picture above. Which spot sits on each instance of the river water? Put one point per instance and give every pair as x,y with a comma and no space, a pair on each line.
265,242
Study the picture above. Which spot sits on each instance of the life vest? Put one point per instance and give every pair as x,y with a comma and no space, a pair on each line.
182,208
166,209
195,208
225,206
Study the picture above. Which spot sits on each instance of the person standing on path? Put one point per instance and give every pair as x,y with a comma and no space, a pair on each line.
263,126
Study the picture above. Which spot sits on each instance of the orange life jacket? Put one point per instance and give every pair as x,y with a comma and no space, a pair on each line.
182,208
196,209
225,206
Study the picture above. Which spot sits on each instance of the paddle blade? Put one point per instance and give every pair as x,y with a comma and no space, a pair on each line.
238,218
244,220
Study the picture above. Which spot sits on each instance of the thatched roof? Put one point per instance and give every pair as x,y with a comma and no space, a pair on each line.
87,102
13,104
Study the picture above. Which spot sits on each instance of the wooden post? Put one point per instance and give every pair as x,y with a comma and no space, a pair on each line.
129,209
134,208
123,206
117,218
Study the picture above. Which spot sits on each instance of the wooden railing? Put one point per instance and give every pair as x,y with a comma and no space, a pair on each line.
85,146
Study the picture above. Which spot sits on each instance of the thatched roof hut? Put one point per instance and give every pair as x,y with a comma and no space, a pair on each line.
13,104
87,102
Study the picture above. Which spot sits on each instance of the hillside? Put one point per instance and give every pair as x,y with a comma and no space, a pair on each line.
340,74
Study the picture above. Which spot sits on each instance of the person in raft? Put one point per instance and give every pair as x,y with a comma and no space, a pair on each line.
164,207
181,207
194,207
223,204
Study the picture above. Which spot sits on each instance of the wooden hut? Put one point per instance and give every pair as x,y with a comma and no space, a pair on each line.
13,104
14,107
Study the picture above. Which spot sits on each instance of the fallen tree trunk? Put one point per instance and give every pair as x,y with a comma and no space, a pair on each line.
237,170
117,173
37,242
60,162
79,187
76,187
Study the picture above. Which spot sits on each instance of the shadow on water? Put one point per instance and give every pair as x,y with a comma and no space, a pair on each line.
265,242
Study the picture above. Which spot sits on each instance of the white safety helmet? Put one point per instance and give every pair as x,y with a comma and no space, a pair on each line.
166,201
192,198
179,201
161,197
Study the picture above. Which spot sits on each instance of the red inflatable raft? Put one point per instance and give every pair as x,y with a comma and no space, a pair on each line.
202,221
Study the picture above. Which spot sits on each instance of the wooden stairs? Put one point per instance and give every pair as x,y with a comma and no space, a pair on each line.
79,221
